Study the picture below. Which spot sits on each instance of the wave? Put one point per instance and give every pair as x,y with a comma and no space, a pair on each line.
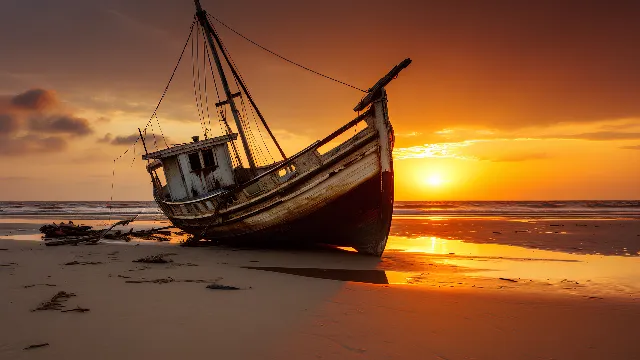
425,208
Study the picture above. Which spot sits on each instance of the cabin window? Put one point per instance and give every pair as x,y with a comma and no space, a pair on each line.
194,161
208,158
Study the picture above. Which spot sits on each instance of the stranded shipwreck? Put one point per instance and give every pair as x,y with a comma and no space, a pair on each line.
343,196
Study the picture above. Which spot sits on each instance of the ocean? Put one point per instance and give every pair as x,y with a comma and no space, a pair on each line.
534,209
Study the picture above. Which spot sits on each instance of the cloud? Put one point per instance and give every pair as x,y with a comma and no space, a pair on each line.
441,150
631,147
65,124
34,121
599,136
8,124
106,139
128,140
35,99
31,144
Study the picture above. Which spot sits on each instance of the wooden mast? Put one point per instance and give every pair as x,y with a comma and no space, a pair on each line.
204,22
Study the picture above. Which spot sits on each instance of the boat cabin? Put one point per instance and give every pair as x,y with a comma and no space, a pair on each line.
190,171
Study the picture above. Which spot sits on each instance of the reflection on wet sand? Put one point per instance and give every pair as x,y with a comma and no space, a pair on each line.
513,264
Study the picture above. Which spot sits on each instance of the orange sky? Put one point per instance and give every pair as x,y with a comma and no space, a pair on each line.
504,100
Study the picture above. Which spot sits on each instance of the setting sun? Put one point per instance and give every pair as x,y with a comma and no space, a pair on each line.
434,180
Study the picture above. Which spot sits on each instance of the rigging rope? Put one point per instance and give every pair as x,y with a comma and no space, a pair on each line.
222,114
195,43
248,93
150,122
164,93
284,58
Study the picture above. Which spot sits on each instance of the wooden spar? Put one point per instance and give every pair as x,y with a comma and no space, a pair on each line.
204,22
374,91
143,143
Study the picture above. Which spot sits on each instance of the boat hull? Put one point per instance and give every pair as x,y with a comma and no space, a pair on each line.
359,218
343,197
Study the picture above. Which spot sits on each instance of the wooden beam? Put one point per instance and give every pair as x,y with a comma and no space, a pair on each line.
225,102
374,91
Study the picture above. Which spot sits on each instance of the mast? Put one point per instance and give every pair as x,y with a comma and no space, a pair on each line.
204,22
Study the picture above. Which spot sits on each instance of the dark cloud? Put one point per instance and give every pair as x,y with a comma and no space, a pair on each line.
128,140
35,122
504,64
64,124
631,147
31,144
106,139
8,124
35,99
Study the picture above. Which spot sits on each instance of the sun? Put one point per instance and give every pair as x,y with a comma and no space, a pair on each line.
434,180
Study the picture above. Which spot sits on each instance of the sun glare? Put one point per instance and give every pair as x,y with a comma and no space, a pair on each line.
434,180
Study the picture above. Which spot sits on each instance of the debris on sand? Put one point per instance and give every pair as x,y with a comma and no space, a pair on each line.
156,281
71,234
155,259
56,302
35,346
77,309
65,229
222,287
33,285
168,280
83,263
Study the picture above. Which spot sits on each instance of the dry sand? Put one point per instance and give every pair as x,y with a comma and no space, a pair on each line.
283,316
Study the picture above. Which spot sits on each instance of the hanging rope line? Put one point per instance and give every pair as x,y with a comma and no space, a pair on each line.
149,123
284,58
222,114
164,93
240,82
195,44
233,64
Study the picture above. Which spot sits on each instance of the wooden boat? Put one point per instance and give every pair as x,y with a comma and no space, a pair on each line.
342,197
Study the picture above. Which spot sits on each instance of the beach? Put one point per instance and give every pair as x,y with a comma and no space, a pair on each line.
473,287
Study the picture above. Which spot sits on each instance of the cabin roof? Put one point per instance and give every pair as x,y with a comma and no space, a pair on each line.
190,147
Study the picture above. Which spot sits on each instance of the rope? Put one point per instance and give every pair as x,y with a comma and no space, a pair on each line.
284,58
164,93
242,99
195,42
222,117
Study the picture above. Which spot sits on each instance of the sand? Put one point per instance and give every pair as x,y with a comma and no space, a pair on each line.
283,316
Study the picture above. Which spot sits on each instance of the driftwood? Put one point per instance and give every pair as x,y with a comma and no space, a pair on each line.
74,235
77,309
35,346
222,287
83,263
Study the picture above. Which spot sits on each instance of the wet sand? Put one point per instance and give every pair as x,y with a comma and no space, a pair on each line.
429,297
